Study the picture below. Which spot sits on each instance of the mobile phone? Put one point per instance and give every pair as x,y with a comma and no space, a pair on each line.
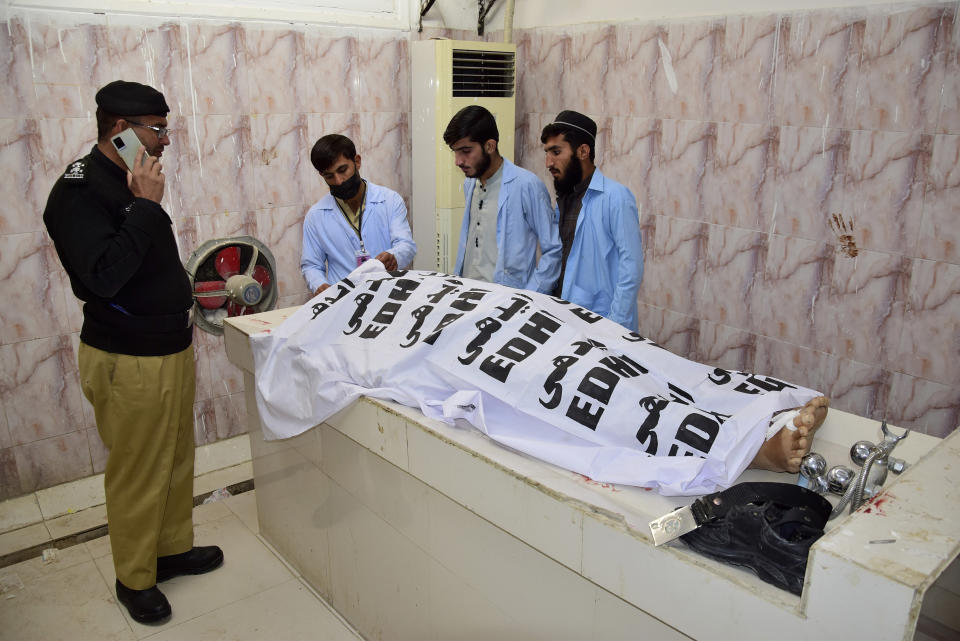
127,144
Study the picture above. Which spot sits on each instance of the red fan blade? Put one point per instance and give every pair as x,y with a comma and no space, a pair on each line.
227,262
262,276
210,302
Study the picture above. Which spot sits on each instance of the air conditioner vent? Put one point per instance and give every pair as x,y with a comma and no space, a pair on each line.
482,74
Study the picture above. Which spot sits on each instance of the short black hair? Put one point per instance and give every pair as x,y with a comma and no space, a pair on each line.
105,122
326,151
571,134
473,122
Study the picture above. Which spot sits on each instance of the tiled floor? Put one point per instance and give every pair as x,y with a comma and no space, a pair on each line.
253,596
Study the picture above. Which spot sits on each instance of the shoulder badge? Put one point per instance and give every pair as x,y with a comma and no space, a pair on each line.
76,172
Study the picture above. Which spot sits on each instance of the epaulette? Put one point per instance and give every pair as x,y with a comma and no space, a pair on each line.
76,172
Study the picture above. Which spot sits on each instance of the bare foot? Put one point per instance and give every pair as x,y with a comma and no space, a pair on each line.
782,451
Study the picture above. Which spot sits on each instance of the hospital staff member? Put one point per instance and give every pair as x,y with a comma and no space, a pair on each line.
356,221
507,212
602,256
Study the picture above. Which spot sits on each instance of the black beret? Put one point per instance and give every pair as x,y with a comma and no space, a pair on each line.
577,121
125,98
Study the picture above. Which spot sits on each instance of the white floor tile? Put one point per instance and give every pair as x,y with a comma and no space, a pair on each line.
99,547
18,512
78,522
288,611
222,478
71,497
245,507
25,537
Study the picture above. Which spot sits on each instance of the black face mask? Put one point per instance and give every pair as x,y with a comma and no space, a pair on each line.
348,188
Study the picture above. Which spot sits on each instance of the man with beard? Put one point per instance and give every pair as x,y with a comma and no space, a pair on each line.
507,211
357,220
602,257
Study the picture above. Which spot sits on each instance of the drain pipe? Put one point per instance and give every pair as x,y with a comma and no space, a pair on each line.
508,22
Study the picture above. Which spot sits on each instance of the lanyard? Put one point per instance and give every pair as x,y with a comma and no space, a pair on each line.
363,206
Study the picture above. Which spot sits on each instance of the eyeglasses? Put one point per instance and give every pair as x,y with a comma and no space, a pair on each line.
162,132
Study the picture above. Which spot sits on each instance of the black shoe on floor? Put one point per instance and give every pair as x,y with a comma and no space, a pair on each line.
199,560
145,606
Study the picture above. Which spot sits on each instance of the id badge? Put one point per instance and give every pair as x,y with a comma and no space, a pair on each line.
362,256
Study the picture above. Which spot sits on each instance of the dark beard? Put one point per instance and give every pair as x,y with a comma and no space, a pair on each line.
569,179
484,164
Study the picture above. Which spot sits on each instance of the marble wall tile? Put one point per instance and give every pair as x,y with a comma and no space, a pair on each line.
678,333
385,149
901,71
734,262
9,474
224,172
184,193
809,180
62,141
6,441
742,83
275,58
225,377
883,189
281,230
684,152
930,343
217,68
790,362
723,346
949,122
204,422
630,155
939,236
673,275
329,80
52,461
689,53
586,64
739,185
540,55
21,158
203,344
98,451
634,58
18,97
923,405
821,53
530,150
856,387
226,225
231,413
383,69
34,301
186,231
278,154
89,421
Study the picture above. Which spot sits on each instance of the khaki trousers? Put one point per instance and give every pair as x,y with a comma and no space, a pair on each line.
144,411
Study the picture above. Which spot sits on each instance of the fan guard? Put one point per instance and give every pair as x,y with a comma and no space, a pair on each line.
231,277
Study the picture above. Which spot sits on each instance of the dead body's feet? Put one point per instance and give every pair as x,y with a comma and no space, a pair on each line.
782,451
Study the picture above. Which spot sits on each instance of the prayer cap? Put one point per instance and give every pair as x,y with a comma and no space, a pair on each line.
577,121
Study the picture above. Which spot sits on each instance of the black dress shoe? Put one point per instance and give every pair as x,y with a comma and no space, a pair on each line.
145,606
199,560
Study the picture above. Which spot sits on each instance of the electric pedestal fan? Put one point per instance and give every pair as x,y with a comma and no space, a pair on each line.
231,277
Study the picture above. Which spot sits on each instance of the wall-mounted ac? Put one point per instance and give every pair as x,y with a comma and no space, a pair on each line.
447,76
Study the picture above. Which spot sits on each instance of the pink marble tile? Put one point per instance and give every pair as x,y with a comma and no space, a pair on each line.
790,362
742,85
727,347
281,230
6,441
18,98
821,51
154,52
217,68
675,332
9,475
40,389
225,164
900,77
861,315
275,57
231,414
689,54
225,377
225,225
684,153
279,152
52,461
883,191
34,301
922,405
203,344
929,347
673,274
939,237
70,50
630,154
204,422
329,78
184,193
856,387
540,56
89,418
809,180
383,71
734,262
532,156
634,57
949,122
585,69
62,141
794,279
21,160
385,148
98,451
65,101
739,186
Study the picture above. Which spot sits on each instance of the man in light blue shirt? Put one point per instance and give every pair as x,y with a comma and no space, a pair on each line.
357,220
507,212
602,256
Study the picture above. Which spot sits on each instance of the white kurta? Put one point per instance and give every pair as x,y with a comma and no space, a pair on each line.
533,372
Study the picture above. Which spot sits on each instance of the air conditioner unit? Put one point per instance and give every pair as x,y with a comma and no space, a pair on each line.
448,75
